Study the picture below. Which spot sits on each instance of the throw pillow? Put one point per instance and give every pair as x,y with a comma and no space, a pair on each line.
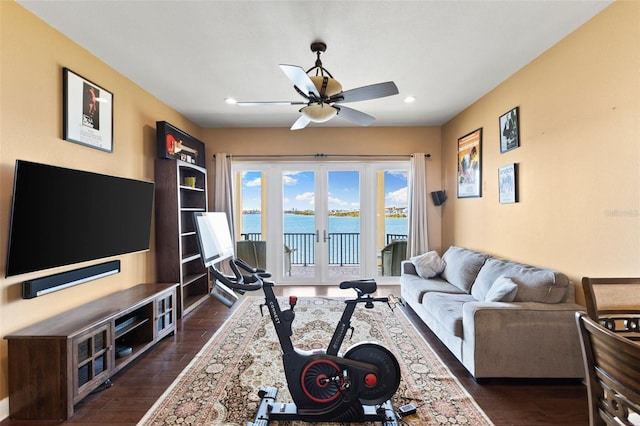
428,265
502,290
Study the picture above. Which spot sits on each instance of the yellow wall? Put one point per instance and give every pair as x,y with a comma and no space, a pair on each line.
579,158
31,61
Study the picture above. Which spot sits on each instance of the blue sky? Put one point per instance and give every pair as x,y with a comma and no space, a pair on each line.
343,190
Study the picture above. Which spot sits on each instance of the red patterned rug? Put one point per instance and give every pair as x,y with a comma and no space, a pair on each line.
220,386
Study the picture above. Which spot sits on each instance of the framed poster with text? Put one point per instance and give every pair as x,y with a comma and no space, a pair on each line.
470,165
88,112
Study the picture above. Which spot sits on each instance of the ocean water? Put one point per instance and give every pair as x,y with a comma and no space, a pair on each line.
343,250
296,223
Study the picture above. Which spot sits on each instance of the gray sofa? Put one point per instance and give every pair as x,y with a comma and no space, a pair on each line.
532,336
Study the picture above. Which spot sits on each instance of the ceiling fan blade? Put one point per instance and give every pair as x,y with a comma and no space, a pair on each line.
354,115
365,93
269,103
300,79
301,123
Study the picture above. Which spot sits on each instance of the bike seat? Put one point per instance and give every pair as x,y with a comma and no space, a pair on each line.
366,286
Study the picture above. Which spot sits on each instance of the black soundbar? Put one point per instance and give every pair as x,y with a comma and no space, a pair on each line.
45,285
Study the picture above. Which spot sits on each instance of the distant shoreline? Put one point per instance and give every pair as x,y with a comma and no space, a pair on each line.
336,214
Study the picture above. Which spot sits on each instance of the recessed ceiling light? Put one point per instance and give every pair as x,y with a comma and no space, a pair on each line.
410,99
230,101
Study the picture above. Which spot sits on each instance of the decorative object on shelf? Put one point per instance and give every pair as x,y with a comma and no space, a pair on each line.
87,111
510,130
173,143
470,165
508,183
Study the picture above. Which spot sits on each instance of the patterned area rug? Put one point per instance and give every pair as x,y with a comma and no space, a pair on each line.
220,386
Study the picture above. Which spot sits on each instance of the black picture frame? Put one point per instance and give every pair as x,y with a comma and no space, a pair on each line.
508,183
87,112
509,130
470,165
173,143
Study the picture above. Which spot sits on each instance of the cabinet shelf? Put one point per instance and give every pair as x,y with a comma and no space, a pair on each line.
177,249
74,352
130,327
190,188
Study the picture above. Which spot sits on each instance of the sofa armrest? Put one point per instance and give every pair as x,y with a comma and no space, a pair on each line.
525,339
407,267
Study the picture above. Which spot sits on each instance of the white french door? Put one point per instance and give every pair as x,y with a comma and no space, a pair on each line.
323,222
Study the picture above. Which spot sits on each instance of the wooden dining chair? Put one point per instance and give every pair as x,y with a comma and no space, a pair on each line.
612,372
614,303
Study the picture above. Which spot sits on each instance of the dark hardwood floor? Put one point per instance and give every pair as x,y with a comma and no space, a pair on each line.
138,386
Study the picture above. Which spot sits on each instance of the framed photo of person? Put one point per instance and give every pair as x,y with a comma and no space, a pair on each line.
510,130
508,183
470,165
87,111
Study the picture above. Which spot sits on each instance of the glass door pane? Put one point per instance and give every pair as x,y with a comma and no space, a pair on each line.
392,220
343,245
299,224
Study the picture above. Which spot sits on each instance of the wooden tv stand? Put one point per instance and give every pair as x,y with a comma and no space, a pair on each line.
57,362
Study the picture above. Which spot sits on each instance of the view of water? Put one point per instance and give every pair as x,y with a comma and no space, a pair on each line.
295,223
341,250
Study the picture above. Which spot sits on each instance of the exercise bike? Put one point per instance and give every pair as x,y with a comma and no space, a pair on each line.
325,385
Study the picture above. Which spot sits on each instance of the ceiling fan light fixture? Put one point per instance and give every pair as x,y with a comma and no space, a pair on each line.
333,87
319,113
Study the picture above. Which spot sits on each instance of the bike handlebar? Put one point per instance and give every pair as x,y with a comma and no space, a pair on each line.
240,282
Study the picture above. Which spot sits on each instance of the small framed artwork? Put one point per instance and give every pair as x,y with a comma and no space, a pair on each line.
508,183
470,165
88,112
175,144
510,130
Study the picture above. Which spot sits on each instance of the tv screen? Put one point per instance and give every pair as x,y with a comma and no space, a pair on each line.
213,236
63,216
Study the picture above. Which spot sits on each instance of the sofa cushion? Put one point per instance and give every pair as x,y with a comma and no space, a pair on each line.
502,290
462,266
447,308
428,264
534,284
414,287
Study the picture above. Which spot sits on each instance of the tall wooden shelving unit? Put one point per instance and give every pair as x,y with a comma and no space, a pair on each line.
177,252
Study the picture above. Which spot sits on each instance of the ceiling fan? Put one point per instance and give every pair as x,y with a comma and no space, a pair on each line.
324,96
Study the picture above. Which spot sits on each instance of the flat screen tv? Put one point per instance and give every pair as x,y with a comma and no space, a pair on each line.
62,216
214,237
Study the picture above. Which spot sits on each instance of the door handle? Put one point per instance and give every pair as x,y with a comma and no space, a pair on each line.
317,236
325,236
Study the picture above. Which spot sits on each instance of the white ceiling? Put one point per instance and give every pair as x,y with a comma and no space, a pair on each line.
194,54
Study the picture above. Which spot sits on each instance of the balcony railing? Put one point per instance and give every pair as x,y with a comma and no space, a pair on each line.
344,247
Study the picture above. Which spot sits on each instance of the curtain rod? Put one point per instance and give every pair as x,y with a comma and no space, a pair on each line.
321,155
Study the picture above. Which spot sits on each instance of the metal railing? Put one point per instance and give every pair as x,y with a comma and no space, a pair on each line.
395,237
344,247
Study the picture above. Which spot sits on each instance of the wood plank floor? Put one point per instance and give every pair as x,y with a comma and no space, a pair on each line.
138,386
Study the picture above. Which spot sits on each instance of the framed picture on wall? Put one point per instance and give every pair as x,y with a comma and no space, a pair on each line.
88,112
510,130
173,143
470,165
508,183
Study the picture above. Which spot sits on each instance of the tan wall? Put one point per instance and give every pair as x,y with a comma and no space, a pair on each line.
326,140
579,158
32,57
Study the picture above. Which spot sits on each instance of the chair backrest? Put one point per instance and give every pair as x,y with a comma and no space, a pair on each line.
614,303
612,367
